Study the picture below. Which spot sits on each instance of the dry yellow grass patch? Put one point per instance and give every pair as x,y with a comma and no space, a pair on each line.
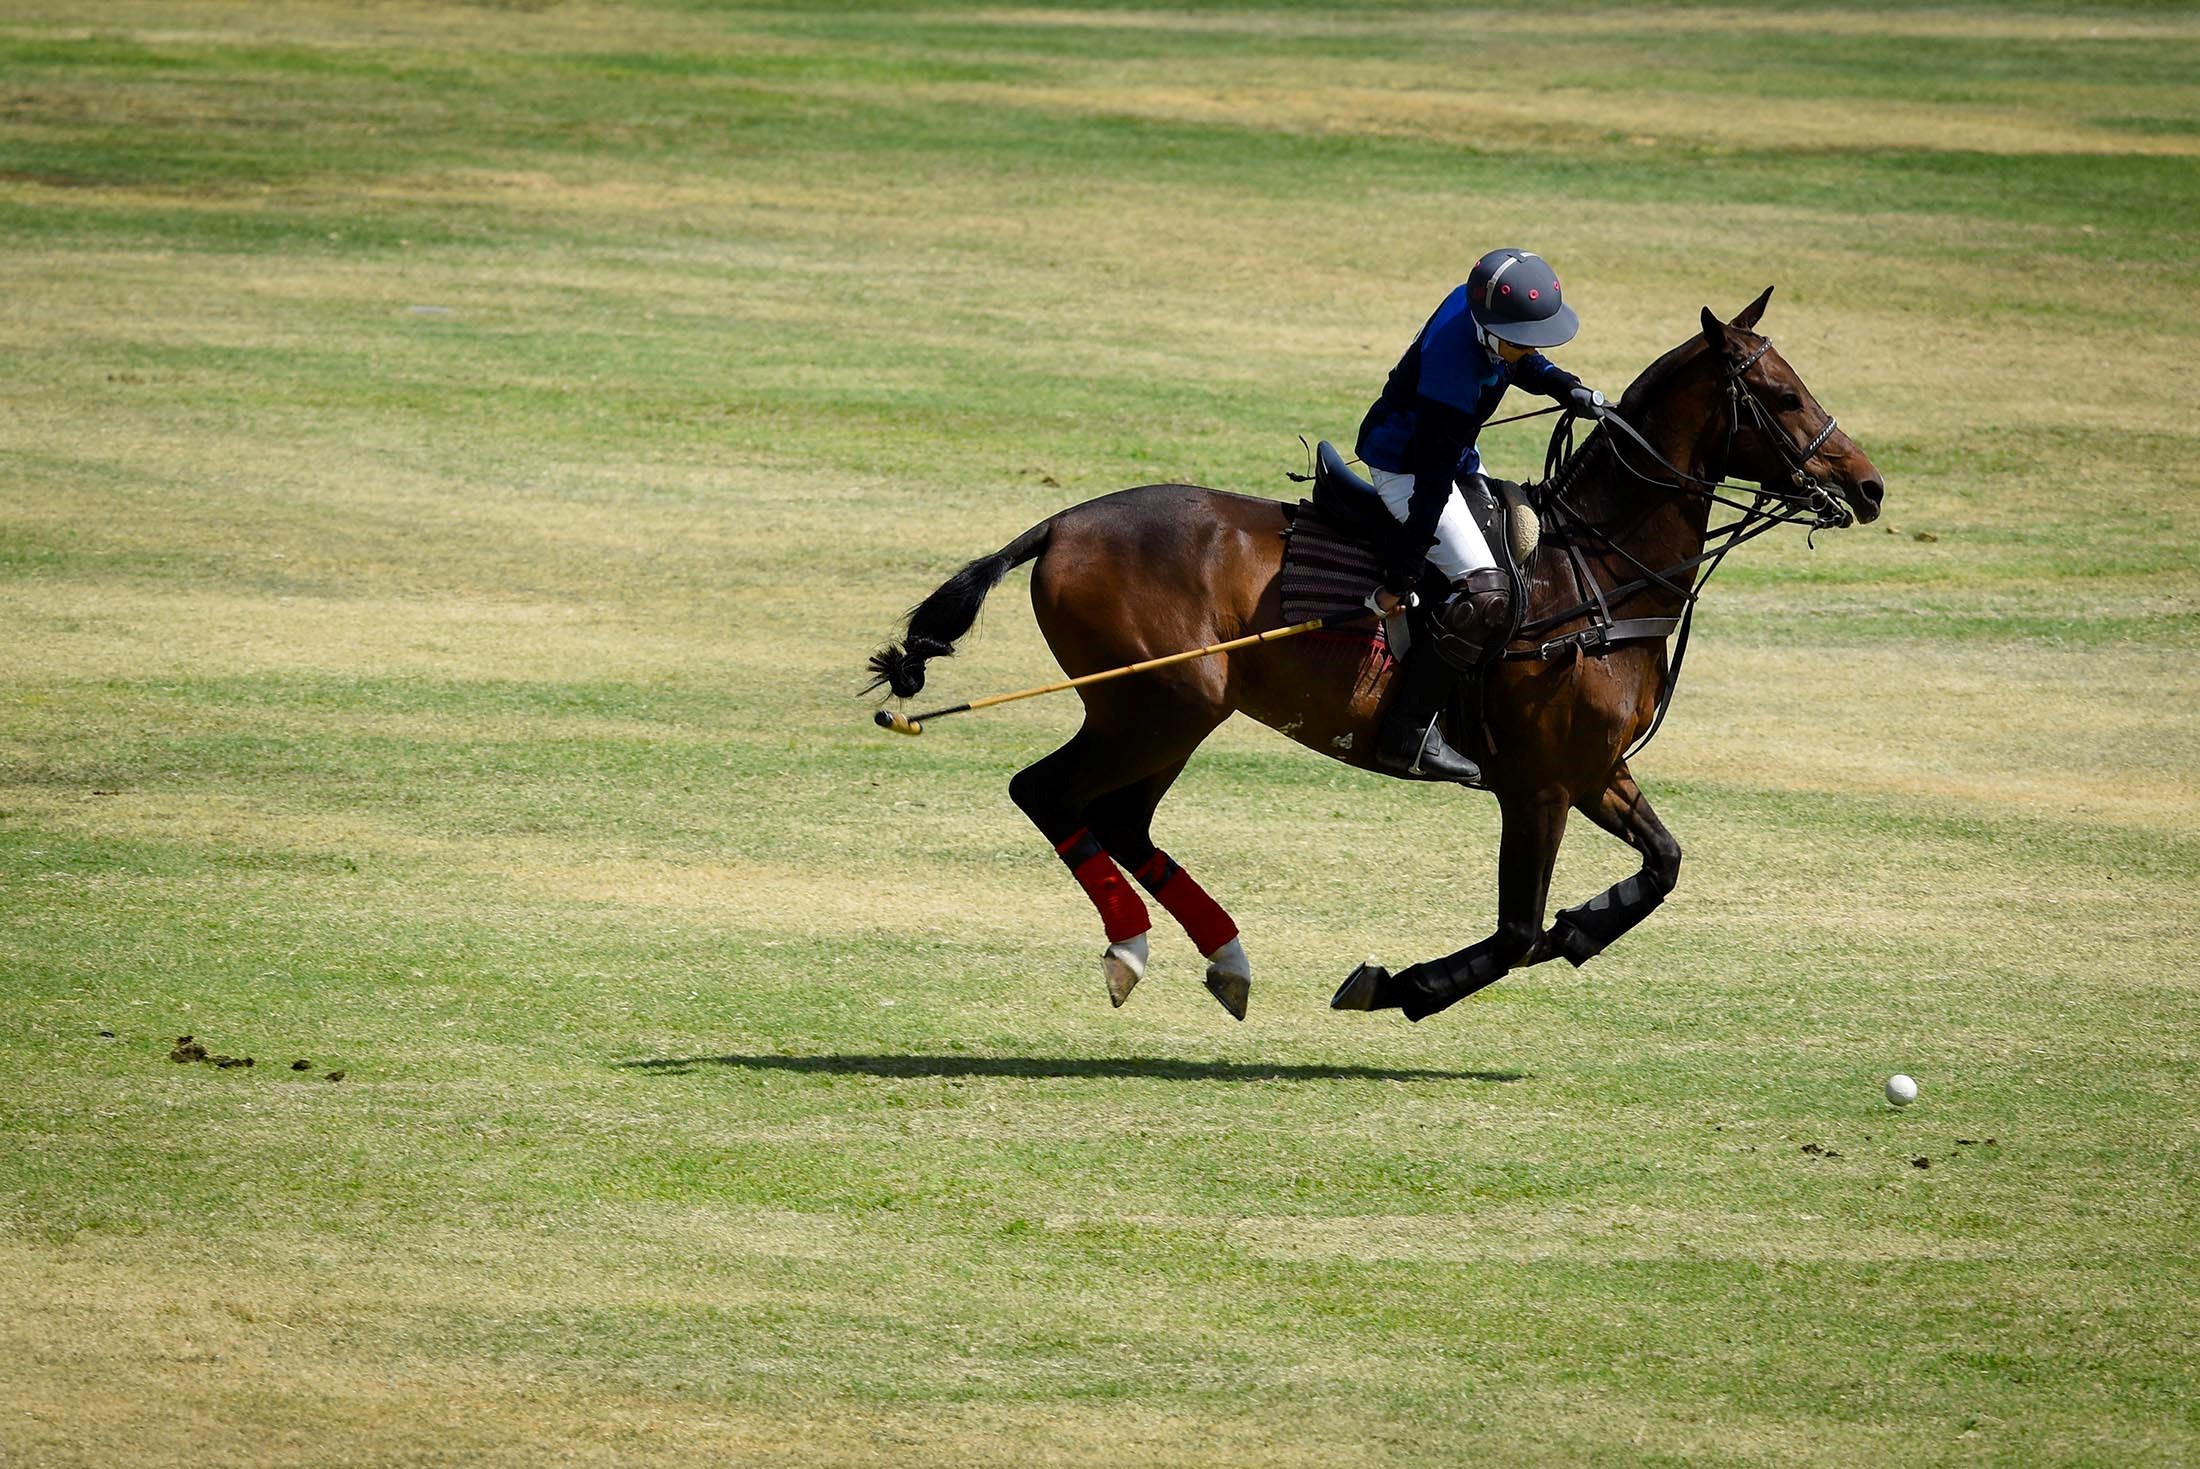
1632,1234
2099,735
428,25
1504,119
1403,24
241,1364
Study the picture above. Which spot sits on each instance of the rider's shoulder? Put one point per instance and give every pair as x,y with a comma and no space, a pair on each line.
1453,314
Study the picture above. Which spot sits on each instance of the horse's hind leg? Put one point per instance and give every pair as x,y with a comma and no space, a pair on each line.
1055,792
1123,820
1581,933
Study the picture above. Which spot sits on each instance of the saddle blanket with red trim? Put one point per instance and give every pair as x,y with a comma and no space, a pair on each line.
1327,569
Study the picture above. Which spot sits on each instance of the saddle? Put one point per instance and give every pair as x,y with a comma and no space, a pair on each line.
1333,555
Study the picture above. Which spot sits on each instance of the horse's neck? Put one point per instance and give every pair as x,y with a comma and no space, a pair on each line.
1625,519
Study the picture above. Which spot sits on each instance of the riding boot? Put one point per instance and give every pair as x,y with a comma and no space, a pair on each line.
1411,743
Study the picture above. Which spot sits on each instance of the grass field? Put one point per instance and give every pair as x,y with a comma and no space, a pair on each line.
455,458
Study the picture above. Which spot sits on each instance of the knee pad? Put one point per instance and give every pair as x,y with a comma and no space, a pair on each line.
1480,611
1480,606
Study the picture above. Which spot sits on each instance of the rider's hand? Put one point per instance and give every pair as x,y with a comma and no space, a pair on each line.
1385,601
1585,400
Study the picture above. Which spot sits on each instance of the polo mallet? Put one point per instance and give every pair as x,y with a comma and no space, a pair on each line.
913,726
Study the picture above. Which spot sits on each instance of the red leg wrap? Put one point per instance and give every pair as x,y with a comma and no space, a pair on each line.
1122,913
1210,928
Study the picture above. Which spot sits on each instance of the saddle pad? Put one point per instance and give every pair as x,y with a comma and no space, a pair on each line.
1326,570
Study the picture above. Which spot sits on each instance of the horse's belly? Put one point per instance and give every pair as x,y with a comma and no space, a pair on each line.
1321,689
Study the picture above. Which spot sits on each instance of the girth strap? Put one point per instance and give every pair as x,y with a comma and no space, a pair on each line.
1595,639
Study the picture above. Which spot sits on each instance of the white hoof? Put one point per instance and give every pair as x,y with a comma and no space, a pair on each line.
1123,966
1230,977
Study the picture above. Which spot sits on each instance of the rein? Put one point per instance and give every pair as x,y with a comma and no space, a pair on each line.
1808,503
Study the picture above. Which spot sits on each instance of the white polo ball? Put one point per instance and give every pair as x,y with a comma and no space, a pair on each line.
1901,1090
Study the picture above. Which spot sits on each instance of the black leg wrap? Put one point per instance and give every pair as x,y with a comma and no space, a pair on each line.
1154,881
1424,989
1581,933
1082,849
1569,941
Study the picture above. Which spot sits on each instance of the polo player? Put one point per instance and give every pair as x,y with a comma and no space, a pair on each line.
1418,441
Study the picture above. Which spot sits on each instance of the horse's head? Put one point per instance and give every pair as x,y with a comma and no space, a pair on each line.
1776,434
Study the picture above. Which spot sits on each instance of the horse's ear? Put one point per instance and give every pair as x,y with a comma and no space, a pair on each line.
1714,331
1747,320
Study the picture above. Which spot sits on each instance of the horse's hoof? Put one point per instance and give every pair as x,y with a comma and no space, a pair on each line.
1360,989
1230,977
1123,966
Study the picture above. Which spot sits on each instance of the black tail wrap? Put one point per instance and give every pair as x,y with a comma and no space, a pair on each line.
940,619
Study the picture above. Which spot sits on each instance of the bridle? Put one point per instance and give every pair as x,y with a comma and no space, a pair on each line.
1806,501
1738,394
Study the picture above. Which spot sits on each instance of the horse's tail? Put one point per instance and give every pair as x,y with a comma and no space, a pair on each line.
941,618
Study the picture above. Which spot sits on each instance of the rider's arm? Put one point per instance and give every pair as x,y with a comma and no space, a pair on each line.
1440,436
1538,374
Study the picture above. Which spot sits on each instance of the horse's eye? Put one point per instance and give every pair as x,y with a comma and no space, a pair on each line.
1791,400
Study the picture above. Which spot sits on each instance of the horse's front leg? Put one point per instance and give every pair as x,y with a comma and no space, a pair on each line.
1534,825
1579,934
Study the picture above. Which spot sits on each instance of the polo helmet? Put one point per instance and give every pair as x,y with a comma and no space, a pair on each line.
1514,297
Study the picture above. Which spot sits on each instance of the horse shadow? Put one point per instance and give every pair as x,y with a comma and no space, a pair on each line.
1056,1068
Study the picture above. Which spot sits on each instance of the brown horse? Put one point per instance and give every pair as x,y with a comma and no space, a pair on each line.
1153,570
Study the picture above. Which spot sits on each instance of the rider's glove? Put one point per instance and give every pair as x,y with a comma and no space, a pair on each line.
1585,400
1405,599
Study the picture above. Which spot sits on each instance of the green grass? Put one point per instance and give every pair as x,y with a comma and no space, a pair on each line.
455,458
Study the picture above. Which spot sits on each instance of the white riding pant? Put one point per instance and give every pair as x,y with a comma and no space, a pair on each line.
1460,546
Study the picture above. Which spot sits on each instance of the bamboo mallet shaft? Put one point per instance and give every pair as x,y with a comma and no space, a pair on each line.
914,725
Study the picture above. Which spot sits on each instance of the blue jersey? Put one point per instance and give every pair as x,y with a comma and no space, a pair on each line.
1408,430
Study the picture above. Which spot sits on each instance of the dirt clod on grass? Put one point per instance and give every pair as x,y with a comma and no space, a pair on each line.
190,1048
301,1064
334,1076
1921,1161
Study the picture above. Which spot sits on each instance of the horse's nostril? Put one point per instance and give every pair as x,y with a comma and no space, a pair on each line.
1872,490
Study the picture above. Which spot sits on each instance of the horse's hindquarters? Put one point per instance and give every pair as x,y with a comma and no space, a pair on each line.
1151,571
1163,569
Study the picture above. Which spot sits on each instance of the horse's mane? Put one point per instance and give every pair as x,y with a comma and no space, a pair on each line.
1650,382
1566,459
